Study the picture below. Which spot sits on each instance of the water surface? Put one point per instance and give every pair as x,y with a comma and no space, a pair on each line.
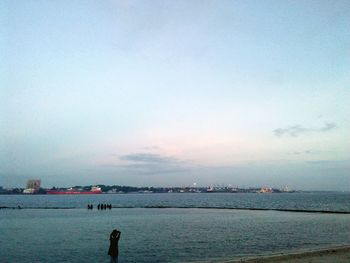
168,234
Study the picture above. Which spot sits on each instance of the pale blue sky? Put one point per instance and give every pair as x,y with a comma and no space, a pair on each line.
159,93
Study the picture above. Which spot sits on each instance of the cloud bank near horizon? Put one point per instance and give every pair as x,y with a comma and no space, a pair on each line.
297,130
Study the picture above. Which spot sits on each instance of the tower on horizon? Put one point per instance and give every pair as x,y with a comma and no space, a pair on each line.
33,186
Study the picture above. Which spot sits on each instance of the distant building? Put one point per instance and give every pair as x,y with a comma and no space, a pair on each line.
286,189
33,186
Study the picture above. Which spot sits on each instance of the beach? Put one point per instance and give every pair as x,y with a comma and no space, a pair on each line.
330,255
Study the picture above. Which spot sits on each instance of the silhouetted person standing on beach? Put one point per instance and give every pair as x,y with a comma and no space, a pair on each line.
113,245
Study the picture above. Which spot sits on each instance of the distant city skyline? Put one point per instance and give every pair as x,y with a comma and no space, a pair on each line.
168,93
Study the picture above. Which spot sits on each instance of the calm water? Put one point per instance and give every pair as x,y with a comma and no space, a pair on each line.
169,235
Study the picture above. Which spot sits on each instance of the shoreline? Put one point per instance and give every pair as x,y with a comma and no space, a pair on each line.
338,254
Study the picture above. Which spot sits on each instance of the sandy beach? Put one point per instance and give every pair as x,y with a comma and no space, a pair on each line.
330,255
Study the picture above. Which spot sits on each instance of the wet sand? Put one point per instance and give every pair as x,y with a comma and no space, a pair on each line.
331,255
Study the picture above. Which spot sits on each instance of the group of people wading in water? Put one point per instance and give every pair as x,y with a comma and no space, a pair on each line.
104,206
100,206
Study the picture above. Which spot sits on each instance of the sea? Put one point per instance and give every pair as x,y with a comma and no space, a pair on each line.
171,227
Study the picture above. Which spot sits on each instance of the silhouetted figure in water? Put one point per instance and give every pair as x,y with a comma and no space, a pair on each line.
104,206
113,250
109,206
98,207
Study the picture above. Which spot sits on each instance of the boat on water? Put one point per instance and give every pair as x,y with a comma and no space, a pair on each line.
72,191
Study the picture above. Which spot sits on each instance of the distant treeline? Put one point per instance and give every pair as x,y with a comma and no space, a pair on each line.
133,189
18,191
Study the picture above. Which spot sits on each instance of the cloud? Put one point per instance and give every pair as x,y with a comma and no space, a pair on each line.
297,130
302,152
151,148
328,126
291,130
148,158
345,162
151,163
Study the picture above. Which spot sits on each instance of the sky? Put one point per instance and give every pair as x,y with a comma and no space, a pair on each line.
172,93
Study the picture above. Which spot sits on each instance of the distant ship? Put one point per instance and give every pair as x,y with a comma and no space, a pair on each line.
72,191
